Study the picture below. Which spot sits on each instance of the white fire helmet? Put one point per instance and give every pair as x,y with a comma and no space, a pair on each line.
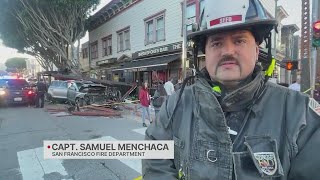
225,15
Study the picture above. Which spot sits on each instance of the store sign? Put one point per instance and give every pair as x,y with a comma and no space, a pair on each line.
152,68
106,61
158,50
136,69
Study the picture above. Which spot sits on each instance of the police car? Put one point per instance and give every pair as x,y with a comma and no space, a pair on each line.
15,91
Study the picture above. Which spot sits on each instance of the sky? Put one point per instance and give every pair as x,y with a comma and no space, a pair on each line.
293,8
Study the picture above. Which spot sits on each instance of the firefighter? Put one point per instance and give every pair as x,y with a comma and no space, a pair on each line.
232,123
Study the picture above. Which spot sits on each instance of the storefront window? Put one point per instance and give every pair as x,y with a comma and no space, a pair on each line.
158,77
128,77
116,77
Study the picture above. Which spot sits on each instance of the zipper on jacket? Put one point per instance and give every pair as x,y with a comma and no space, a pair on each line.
187,171
226,131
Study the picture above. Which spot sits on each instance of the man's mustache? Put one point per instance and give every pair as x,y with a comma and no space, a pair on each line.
226,59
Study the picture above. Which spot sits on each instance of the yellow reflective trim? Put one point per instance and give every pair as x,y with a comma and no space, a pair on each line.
216,89
138,178
307,90
180,174
271,67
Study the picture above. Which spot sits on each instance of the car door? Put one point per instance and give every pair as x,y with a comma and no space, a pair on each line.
64,89
74,91
52,90
71,93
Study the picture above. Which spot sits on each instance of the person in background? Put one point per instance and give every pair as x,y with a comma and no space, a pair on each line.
317,95
169,87
32,96
158,98
144,98
178,85
296,86
40,92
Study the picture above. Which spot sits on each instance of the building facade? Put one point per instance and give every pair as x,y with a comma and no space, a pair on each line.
288,41
141,40
33,67
84,58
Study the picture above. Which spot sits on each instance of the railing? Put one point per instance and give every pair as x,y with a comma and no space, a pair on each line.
314,105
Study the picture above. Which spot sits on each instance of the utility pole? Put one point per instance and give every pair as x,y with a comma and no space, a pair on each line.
275,34
305,46
313,63
184,42
317,73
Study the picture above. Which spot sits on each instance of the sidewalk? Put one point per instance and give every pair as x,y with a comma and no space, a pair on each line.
133,111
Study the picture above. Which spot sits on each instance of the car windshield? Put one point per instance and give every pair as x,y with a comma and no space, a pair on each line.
79,84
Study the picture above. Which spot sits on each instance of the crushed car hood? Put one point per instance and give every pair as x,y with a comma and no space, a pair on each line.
92,88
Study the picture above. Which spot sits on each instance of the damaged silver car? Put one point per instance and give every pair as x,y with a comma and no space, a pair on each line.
85,93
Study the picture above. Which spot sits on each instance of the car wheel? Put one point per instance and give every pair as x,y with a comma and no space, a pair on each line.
86,99
79,103
3,104
48,97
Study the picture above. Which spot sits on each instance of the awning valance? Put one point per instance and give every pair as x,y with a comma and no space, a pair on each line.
148,64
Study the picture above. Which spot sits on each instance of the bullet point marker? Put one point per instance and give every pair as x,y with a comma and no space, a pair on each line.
48,147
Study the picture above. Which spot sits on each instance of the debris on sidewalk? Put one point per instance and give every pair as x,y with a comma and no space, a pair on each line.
96,113
110,109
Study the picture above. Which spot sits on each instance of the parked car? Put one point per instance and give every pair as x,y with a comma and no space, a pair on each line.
58,90
16,91
84,93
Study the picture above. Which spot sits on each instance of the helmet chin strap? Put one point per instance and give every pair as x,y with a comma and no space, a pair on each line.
195,56
271,61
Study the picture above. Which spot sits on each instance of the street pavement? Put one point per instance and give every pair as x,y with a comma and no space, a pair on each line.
23,130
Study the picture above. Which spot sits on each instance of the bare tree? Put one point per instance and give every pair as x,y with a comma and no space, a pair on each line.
52,30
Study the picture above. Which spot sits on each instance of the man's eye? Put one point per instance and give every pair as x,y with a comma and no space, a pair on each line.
215,44
240,41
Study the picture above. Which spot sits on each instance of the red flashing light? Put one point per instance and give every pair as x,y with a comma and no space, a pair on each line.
289,65
30,92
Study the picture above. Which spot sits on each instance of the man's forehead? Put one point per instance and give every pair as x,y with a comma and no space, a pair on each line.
233,33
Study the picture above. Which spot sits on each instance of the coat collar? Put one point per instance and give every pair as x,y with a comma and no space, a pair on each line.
241,98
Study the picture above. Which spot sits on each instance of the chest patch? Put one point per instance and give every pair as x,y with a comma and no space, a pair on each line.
267,162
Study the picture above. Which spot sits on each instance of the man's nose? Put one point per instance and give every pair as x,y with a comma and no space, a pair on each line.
228,48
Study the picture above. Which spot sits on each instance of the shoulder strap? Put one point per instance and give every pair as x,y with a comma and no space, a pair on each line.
176,123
